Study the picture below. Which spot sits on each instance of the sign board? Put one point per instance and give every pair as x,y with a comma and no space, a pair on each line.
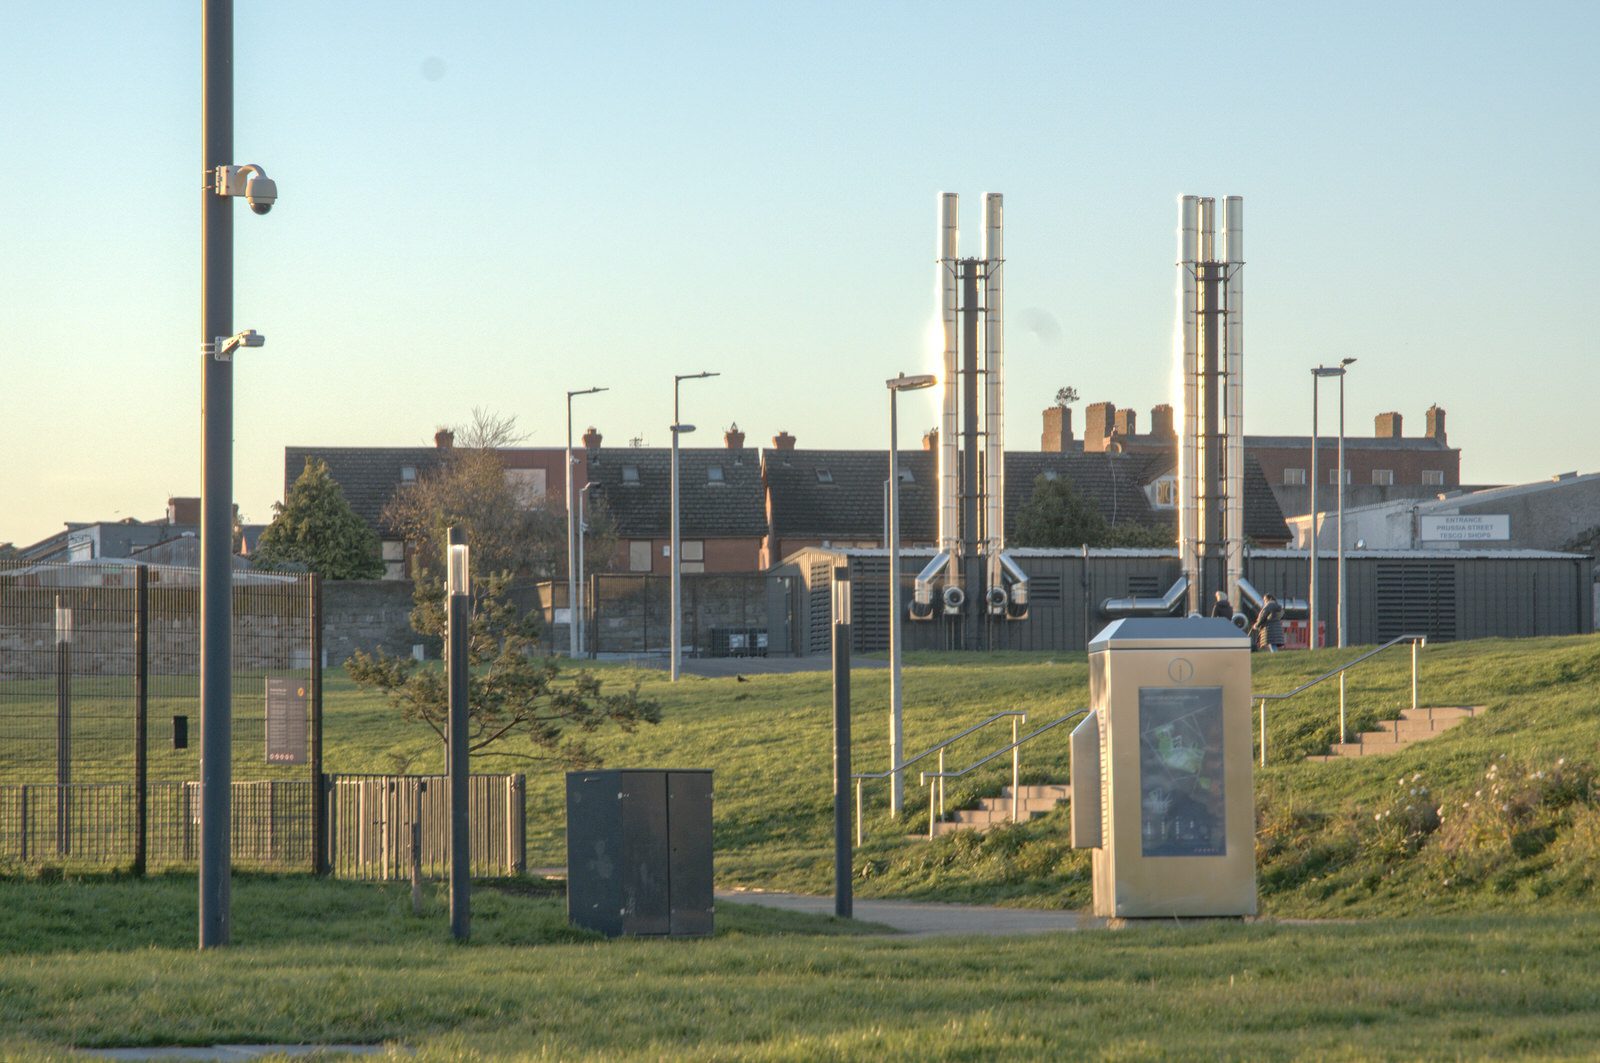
1463,527
1297,634
1181,797
286,721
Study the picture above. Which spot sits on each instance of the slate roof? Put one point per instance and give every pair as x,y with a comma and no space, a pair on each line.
804,506
642,507
1263,518
368,476
1331,438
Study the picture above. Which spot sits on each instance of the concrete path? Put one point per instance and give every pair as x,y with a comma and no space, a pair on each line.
924,918
724,667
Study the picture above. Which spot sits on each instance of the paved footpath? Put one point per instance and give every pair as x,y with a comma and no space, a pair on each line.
925,918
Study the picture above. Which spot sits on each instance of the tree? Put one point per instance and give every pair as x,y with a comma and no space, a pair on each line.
314,526
1058,515
517,701
1066,396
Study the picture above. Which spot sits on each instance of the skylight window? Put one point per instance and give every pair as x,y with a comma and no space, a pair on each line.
714,474
824,476
630,474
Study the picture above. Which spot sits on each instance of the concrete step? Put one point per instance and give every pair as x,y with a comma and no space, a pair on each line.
1057,791
1024,804
986,817
1412,727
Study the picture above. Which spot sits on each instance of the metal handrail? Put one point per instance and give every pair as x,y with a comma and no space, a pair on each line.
930,751
1417,642
931,777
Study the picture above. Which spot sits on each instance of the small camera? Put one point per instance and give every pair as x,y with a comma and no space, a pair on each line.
251,182
260,191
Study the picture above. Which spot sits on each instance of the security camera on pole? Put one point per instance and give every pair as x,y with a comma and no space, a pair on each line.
221,180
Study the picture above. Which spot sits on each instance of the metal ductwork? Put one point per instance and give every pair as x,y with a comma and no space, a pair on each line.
1248,595
1138,605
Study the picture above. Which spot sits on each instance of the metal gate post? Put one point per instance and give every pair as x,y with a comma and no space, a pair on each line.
321,862
141,720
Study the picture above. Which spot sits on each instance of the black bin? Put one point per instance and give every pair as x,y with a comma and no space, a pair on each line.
639,852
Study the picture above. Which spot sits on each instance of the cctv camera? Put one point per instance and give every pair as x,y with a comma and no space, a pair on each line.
260,191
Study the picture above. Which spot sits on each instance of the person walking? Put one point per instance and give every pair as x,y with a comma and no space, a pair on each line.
1221,609
1269,622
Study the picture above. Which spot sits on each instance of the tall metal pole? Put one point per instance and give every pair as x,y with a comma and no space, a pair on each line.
319,784
843,856
896,729
216,520
677,548
583,580
1342,635
574,594
458,586
141,720
678,429
1311,598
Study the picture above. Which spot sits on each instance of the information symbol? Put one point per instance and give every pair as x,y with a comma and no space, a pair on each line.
1181,670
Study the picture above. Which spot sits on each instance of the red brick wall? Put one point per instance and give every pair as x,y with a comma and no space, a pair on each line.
1407,465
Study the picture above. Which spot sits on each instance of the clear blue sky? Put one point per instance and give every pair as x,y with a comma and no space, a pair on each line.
485,204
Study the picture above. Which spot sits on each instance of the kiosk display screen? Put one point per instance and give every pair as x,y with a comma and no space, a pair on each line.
1180,771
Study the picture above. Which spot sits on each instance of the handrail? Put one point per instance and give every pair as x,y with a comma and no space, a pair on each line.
930,751
1016,767
1416,641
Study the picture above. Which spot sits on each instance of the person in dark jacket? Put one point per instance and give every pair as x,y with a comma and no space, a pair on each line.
1221,609
1269,621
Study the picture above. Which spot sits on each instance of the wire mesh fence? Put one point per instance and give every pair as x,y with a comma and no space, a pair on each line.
629,614
100,722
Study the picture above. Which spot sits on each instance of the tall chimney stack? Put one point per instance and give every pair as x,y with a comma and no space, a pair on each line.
591,439
733,438
1057,436
1387,425
1099,419
783,441
444,439
1127,423
1436,423
1161,423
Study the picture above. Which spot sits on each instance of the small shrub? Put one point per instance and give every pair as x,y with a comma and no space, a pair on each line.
1516,813
1401,828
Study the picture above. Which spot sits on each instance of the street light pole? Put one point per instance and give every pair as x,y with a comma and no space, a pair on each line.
678,429
896,720
458,580
572,533
1311,597
1344,639
583,580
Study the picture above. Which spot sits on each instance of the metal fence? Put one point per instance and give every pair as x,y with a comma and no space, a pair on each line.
743,614
100,715
371,821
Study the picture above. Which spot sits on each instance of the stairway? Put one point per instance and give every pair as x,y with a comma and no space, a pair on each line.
1413,726
993,811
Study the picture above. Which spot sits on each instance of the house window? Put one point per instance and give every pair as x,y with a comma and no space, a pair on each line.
639,555
1383,477
630,475
1051,475
1333,475
906,477
824,476
714,474
1166,493
694,556
394,559
527,486
1294,477
408,475
1433,476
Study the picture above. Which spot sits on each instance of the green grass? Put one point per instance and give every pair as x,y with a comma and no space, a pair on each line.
1322,851
108,962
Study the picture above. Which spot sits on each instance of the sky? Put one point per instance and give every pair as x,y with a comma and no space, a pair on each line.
488,204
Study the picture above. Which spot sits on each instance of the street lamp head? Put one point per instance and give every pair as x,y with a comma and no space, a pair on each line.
911,383
224,346
1346,361
586,391
1328,370
692,376
682,429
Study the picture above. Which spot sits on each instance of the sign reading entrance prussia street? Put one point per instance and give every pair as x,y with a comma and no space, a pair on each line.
286,720
1462,527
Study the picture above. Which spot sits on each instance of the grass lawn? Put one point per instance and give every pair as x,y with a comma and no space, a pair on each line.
1335,839
110,962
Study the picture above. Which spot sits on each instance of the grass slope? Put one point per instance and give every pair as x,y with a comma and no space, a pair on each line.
1334,838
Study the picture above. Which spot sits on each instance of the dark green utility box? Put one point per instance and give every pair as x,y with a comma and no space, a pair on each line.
639,852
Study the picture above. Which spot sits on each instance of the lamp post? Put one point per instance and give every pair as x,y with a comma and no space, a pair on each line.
583,583
1339,604
459,606
1344,639
896,728
678,429
221,180
572,532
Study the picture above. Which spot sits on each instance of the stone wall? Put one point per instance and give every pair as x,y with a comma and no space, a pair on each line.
370,615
